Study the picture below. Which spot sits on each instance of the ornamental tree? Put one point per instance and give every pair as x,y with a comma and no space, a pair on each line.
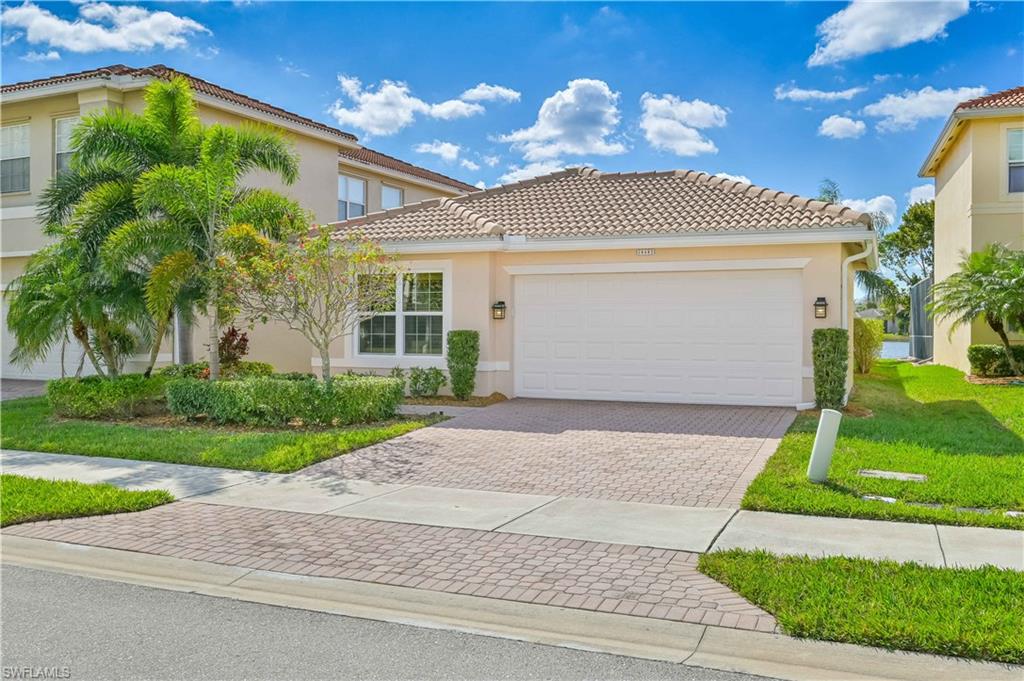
321,287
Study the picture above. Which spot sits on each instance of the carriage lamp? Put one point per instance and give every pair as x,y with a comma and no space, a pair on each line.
820,308
498,310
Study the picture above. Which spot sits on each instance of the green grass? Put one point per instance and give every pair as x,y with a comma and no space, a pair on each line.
29,424
895,337
24,499
968,439
976,613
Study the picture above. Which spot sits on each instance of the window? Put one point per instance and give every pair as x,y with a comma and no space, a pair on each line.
1015,157
14,158
416,318
390,197
351,197
62,128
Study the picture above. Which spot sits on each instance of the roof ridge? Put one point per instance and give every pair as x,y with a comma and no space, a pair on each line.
479,222
985,99
781,198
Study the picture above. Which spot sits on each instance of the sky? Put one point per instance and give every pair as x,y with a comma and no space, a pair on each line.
779,94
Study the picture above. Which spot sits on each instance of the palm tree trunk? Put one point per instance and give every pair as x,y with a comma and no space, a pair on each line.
1000,329
157,340
214,338
182,339
81,334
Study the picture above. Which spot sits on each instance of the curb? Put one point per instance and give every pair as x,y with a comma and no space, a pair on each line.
772,655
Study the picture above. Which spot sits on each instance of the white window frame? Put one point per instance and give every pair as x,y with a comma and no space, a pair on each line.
56,140
28,155
1009,162
366,188
401,196
359,360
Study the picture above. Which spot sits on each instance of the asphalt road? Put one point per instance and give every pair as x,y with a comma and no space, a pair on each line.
95,629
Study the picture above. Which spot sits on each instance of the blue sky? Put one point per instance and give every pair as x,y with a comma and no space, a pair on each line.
783,94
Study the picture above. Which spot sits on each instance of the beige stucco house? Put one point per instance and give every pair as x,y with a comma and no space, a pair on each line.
978,166
339,178
660,287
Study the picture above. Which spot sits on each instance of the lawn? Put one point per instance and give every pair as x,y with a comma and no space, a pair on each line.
24,499
29,424
968,439
976,613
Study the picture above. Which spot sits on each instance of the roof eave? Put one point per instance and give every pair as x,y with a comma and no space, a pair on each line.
408,177
953,125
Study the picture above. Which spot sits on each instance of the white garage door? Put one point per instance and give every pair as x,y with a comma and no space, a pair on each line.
729,337
48,367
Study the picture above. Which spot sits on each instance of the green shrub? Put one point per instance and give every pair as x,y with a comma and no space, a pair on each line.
463,356
868,335
95,397
425,382
267,401
294,376
990,360
399,374
202,370
831,360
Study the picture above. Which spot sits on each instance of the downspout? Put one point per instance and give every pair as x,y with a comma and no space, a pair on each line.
844,305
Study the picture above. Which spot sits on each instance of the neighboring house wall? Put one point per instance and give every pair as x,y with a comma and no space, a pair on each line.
477,280
973,209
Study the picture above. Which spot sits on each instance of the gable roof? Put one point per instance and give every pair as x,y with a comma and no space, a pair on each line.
198,84
1004,103
376,158
583,202
1014,97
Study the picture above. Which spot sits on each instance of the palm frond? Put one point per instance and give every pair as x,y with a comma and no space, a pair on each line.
261,147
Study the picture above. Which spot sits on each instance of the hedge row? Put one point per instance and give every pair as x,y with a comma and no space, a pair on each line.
830,350
277,401
95,397
990,360
202,370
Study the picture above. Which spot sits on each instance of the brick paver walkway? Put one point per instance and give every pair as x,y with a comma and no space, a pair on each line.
686,455
630,580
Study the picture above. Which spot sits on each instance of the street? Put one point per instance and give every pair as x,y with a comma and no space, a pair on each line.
94,629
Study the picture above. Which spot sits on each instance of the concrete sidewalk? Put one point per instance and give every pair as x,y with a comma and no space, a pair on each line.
658,526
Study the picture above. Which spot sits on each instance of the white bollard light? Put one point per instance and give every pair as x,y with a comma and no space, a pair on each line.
824,444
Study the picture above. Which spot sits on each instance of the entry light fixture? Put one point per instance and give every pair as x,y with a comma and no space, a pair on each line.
498,310
820,308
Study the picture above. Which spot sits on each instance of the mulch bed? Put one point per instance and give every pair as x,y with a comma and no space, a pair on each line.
996,380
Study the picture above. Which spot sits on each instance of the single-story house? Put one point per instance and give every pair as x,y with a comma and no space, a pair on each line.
671,286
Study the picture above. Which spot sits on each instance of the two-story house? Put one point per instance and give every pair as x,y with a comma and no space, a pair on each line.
978,166
339,178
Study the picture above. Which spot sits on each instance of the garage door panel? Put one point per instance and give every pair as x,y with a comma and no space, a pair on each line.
712,337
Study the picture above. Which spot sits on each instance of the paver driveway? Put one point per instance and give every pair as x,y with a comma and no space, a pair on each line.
687,455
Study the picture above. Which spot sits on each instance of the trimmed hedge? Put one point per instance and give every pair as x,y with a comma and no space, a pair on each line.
868,335
990,361
95,397
276,402
463,356
202,370
831,360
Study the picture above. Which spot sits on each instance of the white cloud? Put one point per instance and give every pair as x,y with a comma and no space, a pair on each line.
102,26
446,151
491,160
735,178
920,193
469,165
865,27
51,55
517,173
798,94
291,68
883,204
11,38
575,121
672,124
841,128
480,184
489,93
391,107
902,112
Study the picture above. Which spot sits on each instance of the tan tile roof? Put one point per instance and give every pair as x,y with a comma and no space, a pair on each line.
364,155
1014,97
583,202
198,84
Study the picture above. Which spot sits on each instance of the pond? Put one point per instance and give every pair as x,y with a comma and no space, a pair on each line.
895,349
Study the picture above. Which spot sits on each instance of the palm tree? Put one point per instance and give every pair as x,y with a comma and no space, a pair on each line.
983,288
183,211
